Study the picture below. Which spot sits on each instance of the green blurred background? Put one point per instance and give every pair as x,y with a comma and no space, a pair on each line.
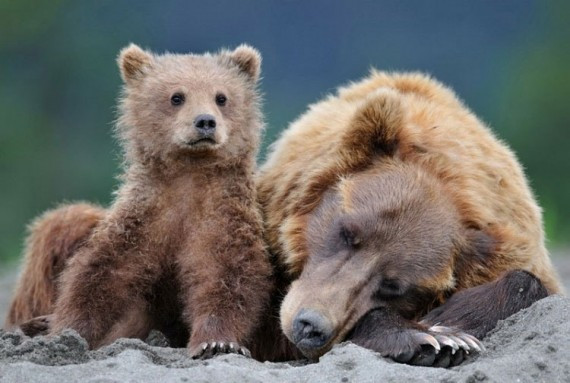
509,60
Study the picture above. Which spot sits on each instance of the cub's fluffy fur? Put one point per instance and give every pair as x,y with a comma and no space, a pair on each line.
180,249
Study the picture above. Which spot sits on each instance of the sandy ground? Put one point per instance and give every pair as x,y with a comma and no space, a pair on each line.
531,346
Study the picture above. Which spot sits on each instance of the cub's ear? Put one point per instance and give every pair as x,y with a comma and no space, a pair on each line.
133,61
248,60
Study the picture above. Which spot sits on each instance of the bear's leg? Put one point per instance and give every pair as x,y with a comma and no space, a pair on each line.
478,309
405,341
214,319
225,292
446,334
135,322
53,239
104,295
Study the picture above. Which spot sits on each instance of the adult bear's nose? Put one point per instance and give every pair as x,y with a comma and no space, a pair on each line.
311,330
205,124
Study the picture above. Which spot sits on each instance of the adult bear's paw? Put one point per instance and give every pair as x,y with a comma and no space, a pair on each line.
438,346
454,345
412,343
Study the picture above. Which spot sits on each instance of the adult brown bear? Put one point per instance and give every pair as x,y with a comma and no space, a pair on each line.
402,222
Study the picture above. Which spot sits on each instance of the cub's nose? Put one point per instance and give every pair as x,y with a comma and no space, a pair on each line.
311,330
205,124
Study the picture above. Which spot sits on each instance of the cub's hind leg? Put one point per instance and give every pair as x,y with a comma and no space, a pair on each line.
53,239
105,290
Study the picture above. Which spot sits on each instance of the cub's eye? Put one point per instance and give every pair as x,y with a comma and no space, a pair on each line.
177,99
349,237
221,99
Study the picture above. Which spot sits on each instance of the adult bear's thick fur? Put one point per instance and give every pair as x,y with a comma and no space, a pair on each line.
385,200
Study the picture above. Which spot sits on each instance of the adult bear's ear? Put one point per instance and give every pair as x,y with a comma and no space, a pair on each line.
375,128
248,60
133,63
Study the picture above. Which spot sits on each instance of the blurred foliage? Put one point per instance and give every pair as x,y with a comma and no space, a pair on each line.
534,115
508,60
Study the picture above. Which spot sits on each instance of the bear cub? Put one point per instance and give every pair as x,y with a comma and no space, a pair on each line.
180,249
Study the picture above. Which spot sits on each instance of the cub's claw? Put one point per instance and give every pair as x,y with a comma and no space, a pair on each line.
208,350
244,351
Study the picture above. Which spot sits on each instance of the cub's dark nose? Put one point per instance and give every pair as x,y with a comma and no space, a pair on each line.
205,124
311,330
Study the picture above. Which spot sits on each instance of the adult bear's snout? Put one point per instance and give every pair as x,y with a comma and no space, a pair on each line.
311,330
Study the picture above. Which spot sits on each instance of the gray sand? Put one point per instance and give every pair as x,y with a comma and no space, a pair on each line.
531,346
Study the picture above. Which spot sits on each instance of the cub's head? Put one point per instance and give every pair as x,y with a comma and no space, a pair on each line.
384,237
184,107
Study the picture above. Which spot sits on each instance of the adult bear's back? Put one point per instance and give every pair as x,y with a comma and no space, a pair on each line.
427,126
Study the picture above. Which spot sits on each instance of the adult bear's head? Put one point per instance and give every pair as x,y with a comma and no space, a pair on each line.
388,234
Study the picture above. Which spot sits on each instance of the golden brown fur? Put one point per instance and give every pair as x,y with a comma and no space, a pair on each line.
439,134
53,238
406,135
180,249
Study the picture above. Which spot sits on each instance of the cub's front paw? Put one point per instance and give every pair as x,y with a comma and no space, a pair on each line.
208,350
36,326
